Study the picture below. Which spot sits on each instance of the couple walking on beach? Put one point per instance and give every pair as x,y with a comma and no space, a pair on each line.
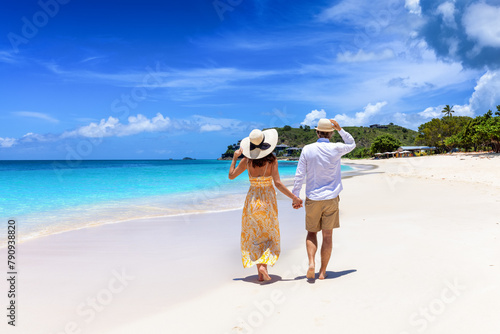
319,165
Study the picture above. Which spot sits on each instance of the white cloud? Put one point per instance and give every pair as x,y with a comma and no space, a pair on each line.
31,137
401,119
481,24
344,10
413,121
432,112
486,97
91,59
464,110
372,17
33,114
413,6
113,127
231,126
210,127
313,117
486,93
7,142
354,85
140,123
453,44
362,117
362,56
105,128
447,10
437,112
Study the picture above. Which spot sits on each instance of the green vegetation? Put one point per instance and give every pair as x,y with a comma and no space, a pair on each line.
436,131
446,133
480,133
384,143
465,133
364,137
230,150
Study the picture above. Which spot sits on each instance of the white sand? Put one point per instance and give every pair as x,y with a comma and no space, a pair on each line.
417,252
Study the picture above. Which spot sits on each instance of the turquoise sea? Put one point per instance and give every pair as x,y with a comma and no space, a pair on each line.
48,197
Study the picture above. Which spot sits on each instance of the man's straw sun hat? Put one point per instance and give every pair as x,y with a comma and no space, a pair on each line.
324,125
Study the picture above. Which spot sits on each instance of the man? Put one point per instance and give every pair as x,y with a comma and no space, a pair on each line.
319,163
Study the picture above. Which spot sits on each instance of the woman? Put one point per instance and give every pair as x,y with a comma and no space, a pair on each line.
260,235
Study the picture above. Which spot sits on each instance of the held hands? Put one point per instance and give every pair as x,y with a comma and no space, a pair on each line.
297,203
336,125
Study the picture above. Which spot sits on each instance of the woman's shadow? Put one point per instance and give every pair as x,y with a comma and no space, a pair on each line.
255,279
275,278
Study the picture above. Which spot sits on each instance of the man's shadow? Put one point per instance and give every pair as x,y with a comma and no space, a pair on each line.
329,275
275,278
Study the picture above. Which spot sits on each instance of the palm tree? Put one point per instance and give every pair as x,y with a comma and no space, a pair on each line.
447,110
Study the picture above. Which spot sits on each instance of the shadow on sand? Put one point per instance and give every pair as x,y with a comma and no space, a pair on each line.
329,275
255,279
275,278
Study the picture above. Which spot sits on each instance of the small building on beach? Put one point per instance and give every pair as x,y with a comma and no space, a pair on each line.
293,150
405,151
280,147
411,150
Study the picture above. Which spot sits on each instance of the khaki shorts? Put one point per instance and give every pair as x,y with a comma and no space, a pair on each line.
322,215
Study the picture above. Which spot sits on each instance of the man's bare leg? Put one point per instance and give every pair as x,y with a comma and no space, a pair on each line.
311,246
326,252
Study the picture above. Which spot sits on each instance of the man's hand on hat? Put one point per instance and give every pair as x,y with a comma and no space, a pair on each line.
335,124
237,153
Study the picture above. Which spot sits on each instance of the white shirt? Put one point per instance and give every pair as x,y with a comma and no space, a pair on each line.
319,163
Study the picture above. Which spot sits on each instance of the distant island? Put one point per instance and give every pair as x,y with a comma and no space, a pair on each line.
292,140
188,158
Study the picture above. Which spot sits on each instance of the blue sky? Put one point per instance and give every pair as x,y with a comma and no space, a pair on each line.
168,79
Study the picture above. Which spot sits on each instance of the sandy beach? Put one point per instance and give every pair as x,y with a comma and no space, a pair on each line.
417,252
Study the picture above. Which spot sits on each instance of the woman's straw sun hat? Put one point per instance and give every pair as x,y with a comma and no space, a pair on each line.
259,143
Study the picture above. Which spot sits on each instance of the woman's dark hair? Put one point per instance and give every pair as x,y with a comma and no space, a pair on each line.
262,161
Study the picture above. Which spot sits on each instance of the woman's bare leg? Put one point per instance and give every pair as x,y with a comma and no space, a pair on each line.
262,268
261,277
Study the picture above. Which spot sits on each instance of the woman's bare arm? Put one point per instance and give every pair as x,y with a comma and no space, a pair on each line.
281,187
242,166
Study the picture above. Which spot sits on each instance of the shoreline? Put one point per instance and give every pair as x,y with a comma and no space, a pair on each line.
200,205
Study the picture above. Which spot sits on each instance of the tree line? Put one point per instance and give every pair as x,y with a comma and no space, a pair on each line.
481,133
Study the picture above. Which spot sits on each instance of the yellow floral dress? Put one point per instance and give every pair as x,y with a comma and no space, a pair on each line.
260,234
